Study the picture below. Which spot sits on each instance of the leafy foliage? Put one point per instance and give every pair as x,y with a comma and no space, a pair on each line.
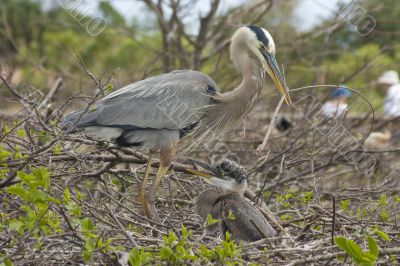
360,257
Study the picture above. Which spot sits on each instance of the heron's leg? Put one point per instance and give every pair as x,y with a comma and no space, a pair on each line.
166,155
142,190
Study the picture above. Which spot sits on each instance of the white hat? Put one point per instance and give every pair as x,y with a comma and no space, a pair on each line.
389,77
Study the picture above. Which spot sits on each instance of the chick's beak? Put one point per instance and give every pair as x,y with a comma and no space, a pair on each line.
213,171
276,75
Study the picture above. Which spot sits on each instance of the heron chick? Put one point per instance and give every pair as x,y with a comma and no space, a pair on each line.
247,224
155,113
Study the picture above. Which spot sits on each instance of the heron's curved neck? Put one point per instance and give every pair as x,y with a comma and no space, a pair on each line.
231,107
252,80
241,100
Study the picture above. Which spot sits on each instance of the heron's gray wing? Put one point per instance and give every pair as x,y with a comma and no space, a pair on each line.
169,101
249,224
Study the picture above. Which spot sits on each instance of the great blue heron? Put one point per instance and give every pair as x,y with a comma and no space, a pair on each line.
156,112
227,204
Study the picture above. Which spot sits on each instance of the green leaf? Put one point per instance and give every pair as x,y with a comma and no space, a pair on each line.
109,88
26,178
17,191
385,215
67,195
355,248
307,197
382,200
204,252
373,247
166,253
184,232
351,248
138,258
42,175
382,234
171,237
79,195
6,129
397,198
21,133
368,256
231,216
345,204
89,249
15,225
56,149
342,243
8,262
365,262
211,220
87,225
134,257
38,196
100,243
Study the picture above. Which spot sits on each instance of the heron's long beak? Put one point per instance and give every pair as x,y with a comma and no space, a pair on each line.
276,75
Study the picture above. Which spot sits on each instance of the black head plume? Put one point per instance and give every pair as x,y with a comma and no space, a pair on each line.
260,34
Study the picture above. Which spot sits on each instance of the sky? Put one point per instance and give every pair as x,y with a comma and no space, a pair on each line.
307,14
310,12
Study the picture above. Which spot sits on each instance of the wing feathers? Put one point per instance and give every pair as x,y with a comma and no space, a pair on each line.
170,101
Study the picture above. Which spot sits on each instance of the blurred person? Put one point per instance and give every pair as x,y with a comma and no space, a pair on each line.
338,105
389,83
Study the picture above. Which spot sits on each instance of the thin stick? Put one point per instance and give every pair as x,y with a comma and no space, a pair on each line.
49,97
333,219
126,233
262,146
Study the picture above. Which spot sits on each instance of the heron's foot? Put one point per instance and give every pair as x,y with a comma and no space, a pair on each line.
148,203
142,198
150,208
151,212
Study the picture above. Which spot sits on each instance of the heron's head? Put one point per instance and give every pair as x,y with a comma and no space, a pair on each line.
261,48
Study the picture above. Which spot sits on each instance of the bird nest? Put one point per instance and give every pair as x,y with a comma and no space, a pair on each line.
72,200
